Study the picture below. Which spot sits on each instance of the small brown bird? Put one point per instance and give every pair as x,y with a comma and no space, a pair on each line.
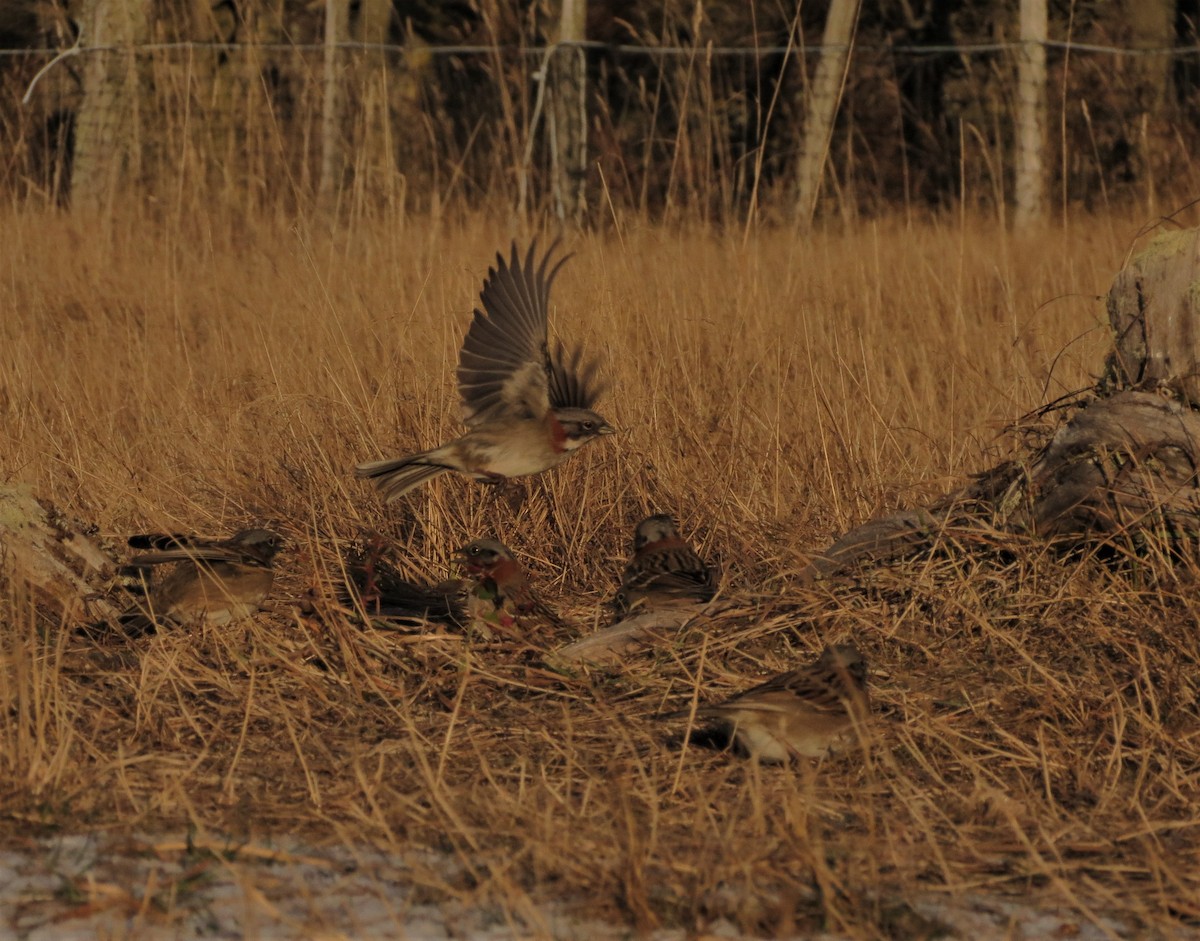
526,411
217,581
498,592
664,569
803,712
495,593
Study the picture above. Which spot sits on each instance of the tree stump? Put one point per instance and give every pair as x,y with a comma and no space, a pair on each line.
53,555
1154,309
1125,466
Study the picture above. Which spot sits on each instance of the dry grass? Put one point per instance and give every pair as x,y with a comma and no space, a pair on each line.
1036,715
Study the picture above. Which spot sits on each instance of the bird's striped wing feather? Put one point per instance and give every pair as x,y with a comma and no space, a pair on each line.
504,368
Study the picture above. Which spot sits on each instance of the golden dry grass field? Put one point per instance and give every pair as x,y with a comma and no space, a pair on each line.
1035,717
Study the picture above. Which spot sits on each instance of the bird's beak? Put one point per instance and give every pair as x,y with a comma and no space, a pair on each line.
606,429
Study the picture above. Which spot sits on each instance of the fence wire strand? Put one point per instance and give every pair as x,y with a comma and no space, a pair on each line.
965,49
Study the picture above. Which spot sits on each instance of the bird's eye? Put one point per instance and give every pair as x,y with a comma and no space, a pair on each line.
588,425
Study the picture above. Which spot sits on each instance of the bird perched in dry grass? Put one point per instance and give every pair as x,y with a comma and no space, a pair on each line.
526,410
216,581
495,593
664,569
498,592
803,712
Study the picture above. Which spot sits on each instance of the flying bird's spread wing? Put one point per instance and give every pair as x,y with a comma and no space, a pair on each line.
504,369
573,382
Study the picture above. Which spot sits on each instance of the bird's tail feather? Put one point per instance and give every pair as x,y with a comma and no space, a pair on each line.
397,477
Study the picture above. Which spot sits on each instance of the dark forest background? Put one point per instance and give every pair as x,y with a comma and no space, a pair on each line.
692,108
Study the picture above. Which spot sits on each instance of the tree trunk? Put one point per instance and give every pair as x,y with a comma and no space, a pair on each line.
1154,310
106,126
1031,114
329,186
569,115
1151,26
376,85
822,103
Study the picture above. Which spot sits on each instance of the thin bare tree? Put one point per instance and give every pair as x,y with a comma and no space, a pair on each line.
822,102
337,26
106,124
1031,114
569,114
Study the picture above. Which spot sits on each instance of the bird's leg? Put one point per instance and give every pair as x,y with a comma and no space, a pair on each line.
504,487
371,593
516,496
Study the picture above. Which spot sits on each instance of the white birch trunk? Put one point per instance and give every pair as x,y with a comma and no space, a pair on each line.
569,115
337,25
105,137
1031,115
825,95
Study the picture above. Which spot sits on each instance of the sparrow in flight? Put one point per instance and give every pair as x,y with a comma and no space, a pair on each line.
664,569
525,409
803,712
217,581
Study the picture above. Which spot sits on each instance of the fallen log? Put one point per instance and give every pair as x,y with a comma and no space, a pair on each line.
54,555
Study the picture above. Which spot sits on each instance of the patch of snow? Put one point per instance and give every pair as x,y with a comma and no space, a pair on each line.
78,888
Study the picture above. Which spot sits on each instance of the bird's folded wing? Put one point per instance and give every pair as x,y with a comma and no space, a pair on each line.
799,688
504,366
677,571
195,554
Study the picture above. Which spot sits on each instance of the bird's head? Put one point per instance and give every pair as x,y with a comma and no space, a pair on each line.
581,425
847,660
483,556
260,544
654,529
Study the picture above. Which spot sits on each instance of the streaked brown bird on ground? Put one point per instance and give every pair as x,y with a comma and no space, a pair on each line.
803,712
495,594
526,410
215,581
664,569
498,592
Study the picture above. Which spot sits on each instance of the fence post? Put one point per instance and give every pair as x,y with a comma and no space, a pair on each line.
105,136
569,114
823,100
337,25
1031,114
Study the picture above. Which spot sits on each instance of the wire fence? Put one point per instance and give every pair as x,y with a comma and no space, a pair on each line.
708,128
623,49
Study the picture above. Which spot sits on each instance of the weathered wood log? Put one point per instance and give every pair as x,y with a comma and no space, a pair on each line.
1125,465
54,555
1154,310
